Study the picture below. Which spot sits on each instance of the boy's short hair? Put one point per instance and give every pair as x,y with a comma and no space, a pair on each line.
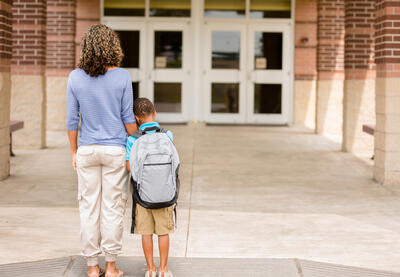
143,107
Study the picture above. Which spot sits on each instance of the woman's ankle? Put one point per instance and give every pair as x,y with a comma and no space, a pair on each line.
151,268
163,269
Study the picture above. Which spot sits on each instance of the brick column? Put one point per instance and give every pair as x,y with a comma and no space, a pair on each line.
330,65
28,96
87,14
305,62
359,85
5,86
60,58
387,58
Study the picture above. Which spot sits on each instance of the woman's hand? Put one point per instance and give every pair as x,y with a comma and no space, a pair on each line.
73,137
74,161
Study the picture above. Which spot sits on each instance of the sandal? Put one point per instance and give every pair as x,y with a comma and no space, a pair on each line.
120,273
101,272
166,274
153,273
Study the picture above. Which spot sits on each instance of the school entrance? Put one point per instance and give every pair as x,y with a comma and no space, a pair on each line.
217,61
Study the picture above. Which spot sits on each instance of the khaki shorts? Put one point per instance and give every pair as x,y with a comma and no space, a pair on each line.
158,221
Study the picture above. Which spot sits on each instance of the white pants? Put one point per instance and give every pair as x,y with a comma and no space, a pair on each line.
102,194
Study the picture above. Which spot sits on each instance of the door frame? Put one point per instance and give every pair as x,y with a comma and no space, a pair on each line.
173,75
269,76
137,74
223,75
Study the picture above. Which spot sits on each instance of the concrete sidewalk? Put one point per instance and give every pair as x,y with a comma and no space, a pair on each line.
195,267
247,193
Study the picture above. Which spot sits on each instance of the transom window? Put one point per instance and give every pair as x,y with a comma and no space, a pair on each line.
256,9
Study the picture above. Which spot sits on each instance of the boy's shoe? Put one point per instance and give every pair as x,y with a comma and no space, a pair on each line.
154,274
166,274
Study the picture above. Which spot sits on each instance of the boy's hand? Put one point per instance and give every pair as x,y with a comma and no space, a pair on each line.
74,161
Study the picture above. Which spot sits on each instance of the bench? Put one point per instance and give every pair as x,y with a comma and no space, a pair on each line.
369,129
15,125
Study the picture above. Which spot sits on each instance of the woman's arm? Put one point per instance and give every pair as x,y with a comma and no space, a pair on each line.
73,138
131,128
72,121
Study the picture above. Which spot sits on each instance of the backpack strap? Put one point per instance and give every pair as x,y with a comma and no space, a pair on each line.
137,134
163,130
154,128
140,133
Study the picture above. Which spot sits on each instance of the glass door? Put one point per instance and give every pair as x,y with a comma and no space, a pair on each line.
169,72
224,72
269,76
133,43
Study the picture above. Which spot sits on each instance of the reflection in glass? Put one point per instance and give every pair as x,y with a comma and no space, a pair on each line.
268,98
168,97
174,8
124,7
130,48
225,98
270,9
135,88
224,8
268,46
167,49
225,49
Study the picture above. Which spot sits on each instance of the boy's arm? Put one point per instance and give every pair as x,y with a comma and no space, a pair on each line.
129,143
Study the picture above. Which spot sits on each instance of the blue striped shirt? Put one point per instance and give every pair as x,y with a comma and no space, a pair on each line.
103,104
131,140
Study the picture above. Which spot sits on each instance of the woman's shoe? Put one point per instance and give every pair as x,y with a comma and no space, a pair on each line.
101,272
166,274
153,274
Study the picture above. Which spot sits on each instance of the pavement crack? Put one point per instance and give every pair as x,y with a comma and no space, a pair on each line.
69,266
191,190
298,266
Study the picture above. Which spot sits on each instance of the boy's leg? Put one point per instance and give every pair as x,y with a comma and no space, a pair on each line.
164,225
163,245
147,244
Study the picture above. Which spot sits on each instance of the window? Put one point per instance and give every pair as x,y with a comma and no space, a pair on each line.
130,48
124,7
270,9
225,98
168,49
224,8
168,97
171,8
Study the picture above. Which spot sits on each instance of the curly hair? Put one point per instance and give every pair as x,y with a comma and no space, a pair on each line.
101,48
143,107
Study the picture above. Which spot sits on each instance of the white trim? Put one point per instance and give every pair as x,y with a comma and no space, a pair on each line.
194,72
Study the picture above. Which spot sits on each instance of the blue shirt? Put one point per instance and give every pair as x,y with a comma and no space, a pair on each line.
131,140
103,104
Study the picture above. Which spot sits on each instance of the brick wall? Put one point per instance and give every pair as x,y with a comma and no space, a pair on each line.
87,14
359,39
29,37
60,27
330,61
5,57
306,51
28,95
387,38
387,57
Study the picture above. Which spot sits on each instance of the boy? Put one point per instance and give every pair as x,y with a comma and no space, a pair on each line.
151,221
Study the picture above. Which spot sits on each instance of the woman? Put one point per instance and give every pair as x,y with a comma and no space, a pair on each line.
99,95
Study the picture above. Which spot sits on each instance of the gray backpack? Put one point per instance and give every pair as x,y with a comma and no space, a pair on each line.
154,164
